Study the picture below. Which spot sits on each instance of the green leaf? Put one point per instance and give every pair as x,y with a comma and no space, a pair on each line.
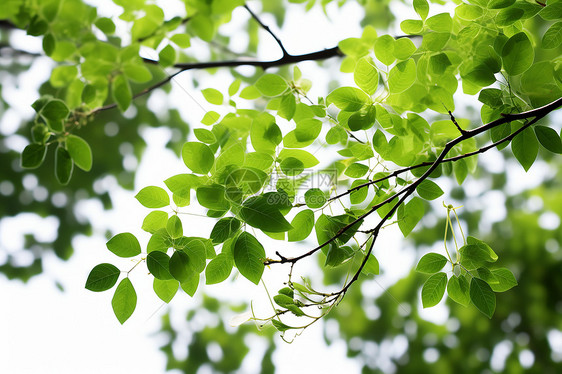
291,166
349,99
517,54
356,170
213,197
124,245
55,110
167,56
271,85
337,255
469,12
506,280
63,165
265,134
213,96
198,157
224,229
153,197
280,326
190,285
482,297
155,221
433,289
174,227
552,11
366,75
180,267
422,8
525,148
205,136
431,263
314,198
475,255
371,266
458,290
404,48
499,4
158,264
549,139
102,277
219,269
124,300
409,215
429,190
165,289
159,241
262,212
307,159
121,92
441,22
33,155
411,26
303,223
249,256
105,25
80,152
402,76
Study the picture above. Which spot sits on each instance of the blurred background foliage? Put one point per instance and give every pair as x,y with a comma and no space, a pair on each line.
523,335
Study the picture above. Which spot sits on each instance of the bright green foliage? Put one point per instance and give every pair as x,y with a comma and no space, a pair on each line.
482,296
165,289
153,197
389,132
249,256
433,289
198,157
431,263
124,245
124,300
80,152
102,277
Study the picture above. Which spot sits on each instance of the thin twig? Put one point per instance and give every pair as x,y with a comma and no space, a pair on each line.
266,28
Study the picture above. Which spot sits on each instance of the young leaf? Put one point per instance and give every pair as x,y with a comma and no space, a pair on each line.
262,212
158,264
153,197
224,229
124,245
552,38
366,75
213,96
219,269
372,266
124,300
180,266
271,85
402,76
121,91
155,221
422,8
190,286
431,263
80,152
33,155
174,227
63,165
55,110
198,157
549,138
518,54
102,277
205,136
280,326
409,215
505,280
525,148
159,242
482,296
349,99
249,256
433,289
314,198
458,290
165,289
429,190
302,226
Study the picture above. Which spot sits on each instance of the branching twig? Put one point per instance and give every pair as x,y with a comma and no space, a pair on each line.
266,28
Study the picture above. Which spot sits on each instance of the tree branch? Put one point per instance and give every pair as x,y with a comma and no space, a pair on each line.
266,28
536,114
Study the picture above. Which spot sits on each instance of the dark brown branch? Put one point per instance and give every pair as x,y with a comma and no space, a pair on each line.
266,28
536,114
